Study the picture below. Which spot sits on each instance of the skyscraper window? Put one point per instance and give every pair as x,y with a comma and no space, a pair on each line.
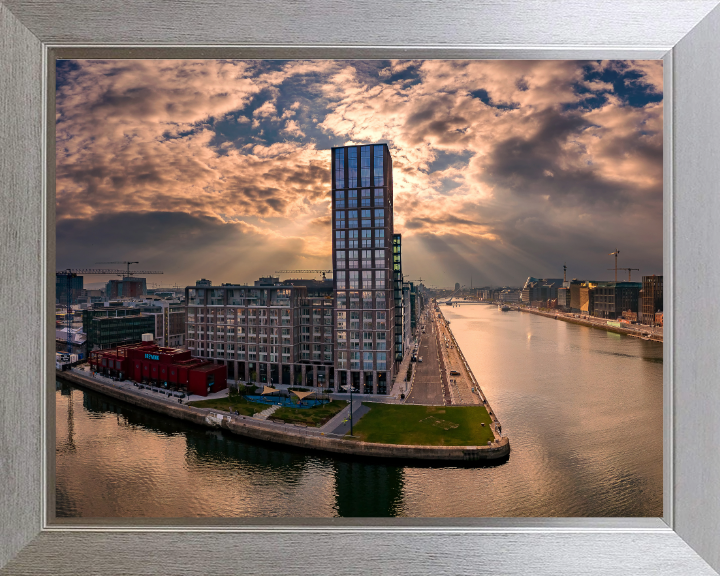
352,167
339,168
365,166
378,168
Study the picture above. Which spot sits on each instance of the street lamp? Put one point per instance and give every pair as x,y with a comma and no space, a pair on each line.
351,410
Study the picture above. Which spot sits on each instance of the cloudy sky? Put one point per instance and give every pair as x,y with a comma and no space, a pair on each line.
221,169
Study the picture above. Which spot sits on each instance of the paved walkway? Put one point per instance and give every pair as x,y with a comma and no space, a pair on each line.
460,384
266,413
400,386
340,423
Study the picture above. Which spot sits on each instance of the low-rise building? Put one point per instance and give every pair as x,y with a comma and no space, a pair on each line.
170,368
112,326
652,298
614,298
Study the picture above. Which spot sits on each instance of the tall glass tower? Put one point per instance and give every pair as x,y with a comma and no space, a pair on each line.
362,229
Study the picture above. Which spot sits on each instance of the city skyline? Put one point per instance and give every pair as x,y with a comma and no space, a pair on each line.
221,169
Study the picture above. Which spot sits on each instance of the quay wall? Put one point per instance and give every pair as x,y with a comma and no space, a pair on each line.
588,323
244,426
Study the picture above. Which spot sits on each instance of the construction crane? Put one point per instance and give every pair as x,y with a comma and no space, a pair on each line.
629,271
71,273
323,272
616,268
128,273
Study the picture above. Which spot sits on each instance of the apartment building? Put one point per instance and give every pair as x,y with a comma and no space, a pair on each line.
271,332
362,230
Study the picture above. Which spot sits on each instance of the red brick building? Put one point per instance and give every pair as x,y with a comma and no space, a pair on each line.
170,367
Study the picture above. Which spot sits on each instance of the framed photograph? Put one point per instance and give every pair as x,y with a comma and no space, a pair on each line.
640,83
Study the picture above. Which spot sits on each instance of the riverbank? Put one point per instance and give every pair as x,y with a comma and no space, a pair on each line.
595,323
296,436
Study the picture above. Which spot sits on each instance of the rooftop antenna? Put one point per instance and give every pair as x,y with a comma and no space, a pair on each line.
564,272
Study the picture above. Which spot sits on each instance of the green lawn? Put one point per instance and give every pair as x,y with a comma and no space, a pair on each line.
309,416
238,403
425,425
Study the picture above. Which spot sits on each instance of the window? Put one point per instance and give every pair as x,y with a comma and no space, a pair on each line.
340,234
352,199
378,168
339,168
354,283
379,238
354,360
378,196
353,243
352,167
365,166
367,360
366,261
365,194
340,244
340,219
381,320
352,218
355,300
367,300
367,238
339,194
354,320
381,360
340,204
379,213
380,279
367,320
379,255
340,279
367,278
341,300
340,255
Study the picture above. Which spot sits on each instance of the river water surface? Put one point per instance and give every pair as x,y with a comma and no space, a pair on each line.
582,408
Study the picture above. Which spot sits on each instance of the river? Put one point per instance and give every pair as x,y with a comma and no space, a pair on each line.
582,408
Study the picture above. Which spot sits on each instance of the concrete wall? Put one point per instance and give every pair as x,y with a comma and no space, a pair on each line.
246,427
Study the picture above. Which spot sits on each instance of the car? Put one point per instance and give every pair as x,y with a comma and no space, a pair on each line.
420,359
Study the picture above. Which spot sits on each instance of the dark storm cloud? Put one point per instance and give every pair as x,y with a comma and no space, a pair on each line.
504,168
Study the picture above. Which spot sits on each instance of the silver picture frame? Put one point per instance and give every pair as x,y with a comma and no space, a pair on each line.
684,33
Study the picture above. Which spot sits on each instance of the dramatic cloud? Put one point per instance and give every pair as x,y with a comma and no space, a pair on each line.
502,169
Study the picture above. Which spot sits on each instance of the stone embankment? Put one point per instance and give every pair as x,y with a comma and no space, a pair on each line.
245,426
597,323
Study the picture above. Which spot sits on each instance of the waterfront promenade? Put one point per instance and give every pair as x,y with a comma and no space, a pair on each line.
324,438
444,377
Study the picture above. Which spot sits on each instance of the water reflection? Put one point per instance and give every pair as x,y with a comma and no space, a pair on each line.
583,409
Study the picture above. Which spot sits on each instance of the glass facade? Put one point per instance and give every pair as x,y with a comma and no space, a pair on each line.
362,233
